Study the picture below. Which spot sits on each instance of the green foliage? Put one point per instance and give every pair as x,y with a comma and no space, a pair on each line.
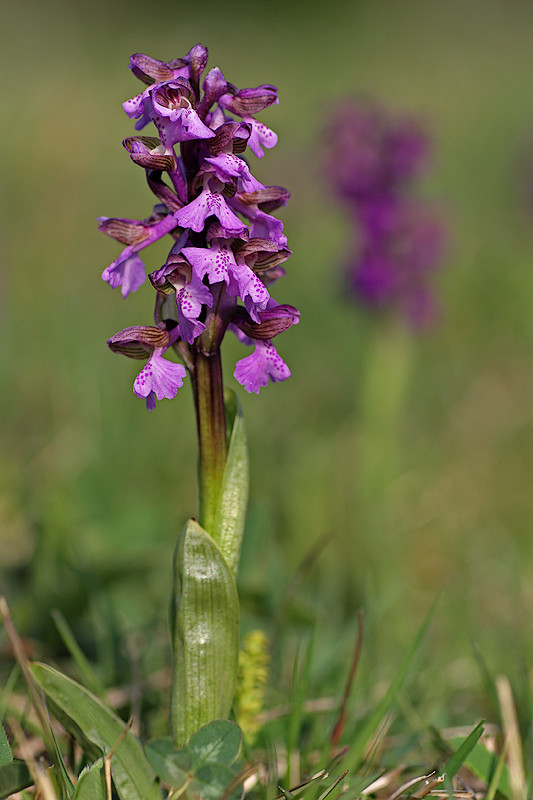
203,767
91,783
205,633
14,777
6,756
490,767
231,508
98,731
14,774
456,761
370,725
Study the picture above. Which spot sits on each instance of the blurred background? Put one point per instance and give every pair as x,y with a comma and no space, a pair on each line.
346,510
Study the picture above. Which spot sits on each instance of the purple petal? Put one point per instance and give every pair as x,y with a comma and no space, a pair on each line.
158,377
215,262
126,271
229,165
190,300
263,364
206,204
261,135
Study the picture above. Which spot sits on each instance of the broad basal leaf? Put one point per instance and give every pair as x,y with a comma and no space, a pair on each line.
98,730
205,634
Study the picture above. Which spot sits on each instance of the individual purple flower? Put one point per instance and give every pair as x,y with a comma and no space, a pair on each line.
219,264
263,225
227,165
250,101
159,378
208,204
264,364
127,270
173,115
191,294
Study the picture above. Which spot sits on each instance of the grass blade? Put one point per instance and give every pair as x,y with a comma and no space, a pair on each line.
368,727
456,761
85,670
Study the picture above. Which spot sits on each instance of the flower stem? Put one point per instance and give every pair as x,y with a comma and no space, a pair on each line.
211,424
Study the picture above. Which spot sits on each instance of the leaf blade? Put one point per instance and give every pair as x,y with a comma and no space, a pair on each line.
97,729
230,514
205,634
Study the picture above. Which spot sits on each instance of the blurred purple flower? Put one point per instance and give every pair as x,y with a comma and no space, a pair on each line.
373,159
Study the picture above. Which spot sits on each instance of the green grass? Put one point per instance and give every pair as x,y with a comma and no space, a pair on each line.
93,490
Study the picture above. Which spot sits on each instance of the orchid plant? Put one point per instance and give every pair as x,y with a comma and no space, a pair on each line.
226,247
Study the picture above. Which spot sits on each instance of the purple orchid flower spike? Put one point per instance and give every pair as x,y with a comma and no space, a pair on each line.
227,251
228,245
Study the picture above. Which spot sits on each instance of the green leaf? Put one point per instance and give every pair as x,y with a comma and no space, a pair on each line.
6,756
205,634
98,730
387,702
230,515
212,780
202,765
456,761
14,777
218,742
173,766
91,784
333,785
487,765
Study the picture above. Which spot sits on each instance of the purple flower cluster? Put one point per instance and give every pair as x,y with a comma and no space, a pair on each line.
373,160
226,246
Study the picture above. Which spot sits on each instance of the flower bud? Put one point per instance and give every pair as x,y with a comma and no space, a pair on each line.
150,70
143,151
272,322
138,341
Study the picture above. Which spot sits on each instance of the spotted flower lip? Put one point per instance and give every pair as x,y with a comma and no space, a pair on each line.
209,204
228,245
263,365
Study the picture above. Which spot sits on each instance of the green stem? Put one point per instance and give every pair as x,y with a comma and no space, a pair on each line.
211,424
